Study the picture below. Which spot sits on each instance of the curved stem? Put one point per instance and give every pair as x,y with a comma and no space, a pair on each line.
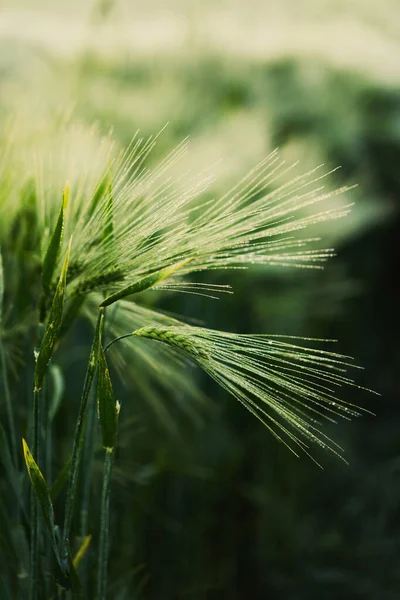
120,337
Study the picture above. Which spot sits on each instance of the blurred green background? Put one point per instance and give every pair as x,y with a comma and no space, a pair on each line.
213,507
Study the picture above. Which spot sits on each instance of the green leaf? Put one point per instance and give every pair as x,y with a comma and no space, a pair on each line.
53,327
82,550
71,313
108,408
54,247
145,283
42,494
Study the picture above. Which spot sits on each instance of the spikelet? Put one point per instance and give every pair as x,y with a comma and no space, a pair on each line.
131,222
289,387
156,228
151,371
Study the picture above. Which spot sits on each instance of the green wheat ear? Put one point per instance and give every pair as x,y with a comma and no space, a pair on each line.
134,229
288,387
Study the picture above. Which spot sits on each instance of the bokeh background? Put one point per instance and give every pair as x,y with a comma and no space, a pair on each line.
205,504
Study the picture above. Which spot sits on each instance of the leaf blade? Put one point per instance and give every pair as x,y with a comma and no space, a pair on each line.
54,247
43,496
53,326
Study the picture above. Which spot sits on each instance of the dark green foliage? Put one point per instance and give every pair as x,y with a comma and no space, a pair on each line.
220,511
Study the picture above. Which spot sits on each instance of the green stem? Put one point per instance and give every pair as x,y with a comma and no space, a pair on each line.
88,456
34,546
87,462
34,550
104,528
9,409
46,457
120,337
47,449
78,440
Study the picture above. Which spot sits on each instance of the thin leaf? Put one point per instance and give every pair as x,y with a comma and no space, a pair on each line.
79,430
53,249
71,313
108,407
82,550
53,327
42,494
